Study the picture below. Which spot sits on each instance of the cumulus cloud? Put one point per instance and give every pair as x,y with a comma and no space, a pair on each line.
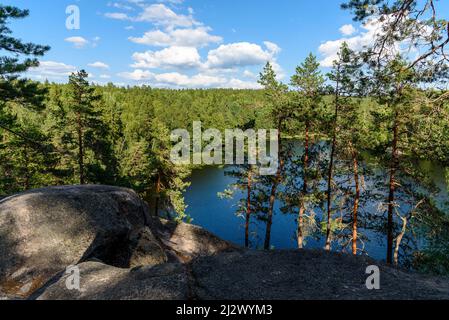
160,15
240,84
273,48
99,65
172,57
190,37
174,79
348,30
238,55
117,16
78,42
178,80
137,75
225,60
182,80
181,36
249,74
120,5
52,70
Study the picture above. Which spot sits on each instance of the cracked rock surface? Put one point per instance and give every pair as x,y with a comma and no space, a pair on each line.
45,230
103,282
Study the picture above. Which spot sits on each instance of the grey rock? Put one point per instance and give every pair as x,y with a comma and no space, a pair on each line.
189,241
309,275
145,249
45,230
102,282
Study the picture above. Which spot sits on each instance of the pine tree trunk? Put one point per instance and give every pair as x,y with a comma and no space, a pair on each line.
276,182
248,210
80,150
392,187
302,207
356,202
399,240
330,173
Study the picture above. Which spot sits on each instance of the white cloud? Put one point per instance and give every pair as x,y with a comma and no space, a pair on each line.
172,57
153,38
137,75
239,84
136,2
105,76
160,15
191,37
52,70
178,80
348,29
183,36
78,42
249,74
99,65
174,79
196,81
273,48
239,55
278,70
117,16
121,6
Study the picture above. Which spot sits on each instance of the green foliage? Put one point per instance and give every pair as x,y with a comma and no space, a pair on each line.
24,149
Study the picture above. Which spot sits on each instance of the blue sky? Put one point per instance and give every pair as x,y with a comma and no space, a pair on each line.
186,43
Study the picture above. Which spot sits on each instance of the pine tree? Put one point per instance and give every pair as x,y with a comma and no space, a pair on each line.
83,133
11,66
347,130
395,85
168,180
308,82
278,109
22,93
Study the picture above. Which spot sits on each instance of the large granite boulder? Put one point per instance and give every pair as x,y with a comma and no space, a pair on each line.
103,282
43,231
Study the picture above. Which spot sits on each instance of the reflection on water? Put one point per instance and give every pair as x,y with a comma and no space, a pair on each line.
219,215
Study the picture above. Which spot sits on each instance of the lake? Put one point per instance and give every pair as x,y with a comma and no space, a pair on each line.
219,215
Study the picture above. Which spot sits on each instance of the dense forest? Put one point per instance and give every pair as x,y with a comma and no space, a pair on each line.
381,105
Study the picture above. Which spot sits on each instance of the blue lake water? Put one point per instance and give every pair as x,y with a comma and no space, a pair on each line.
219,215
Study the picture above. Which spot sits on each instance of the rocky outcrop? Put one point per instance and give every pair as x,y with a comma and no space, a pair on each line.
305,274
121,252
103,282
43,231
239,274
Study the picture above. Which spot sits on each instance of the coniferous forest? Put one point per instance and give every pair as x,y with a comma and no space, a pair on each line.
356,143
